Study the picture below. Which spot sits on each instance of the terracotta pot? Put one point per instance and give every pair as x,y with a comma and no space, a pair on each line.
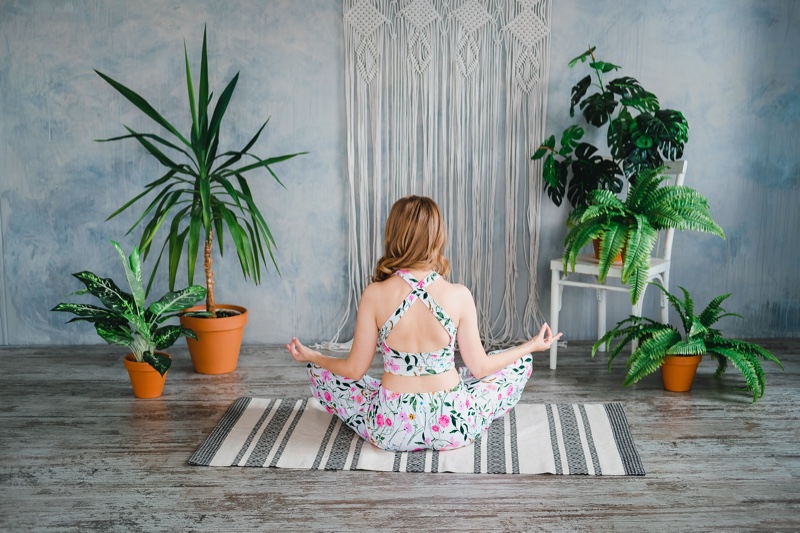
146,381
216,350
596,246
678,372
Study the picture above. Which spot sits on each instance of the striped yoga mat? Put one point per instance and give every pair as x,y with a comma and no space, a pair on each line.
591,439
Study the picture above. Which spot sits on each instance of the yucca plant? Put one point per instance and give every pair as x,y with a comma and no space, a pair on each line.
633,225
658,340
640,136
126,319
203,190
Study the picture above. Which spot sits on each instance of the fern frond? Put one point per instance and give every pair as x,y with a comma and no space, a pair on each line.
606,198
638,282
644,188
711,314
748,366
688,306
697,329
641,240
688,347
746,347
650,355
578,237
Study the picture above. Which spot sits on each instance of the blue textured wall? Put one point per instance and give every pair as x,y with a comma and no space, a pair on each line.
731,66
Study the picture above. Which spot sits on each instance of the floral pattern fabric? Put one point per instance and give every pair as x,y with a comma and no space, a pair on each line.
435,420
417,364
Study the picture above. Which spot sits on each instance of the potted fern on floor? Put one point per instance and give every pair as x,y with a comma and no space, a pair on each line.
126,320
202,192
662,346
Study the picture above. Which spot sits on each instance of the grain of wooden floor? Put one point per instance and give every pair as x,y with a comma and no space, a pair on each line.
79,453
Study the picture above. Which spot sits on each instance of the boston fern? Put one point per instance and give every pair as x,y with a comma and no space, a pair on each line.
640,136
633,225
204,190
125,320
658,340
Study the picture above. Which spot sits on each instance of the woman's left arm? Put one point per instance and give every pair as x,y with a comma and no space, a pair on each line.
357,362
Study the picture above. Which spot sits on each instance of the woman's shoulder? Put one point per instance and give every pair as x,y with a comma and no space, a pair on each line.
379,289
455,290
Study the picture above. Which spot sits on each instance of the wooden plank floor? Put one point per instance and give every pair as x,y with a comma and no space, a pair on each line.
79,453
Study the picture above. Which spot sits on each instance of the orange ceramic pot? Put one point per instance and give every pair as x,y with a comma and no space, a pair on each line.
146,381
216,350
678,372
596,246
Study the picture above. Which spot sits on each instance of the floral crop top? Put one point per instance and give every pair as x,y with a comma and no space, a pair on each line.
418,364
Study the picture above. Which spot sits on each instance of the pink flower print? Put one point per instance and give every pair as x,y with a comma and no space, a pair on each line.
393,366
359,399
500,396
328,396
427,441
420,284
386,348
435,428
388,422
329,409
403,416
528,372
444,421
325,375
407,427
379,420
342,411
510,390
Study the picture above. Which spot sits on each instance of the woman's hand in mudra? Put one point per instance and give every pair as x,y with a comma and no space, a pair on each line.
300,352
543,340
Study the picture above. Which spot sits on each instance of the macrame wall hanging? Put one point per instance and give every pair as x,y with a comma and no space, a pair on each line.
447,99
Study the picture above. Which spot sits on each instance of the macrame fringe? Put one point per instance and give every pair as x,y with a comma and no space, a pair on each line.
447,98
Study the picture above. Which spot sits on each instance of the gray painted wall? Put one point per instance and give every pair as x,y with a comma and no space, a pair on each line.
730,66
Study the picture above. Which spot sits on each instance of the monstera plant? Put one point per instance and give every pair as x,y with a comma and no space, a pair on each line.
203,190
631,227
640,136
659,342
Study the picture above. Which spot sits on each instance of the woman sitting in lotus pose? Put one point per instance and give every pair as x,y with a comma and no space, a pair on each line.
415,316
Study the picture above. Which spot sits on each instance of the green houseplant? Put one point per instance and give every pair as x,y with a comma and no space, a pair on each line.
631,227
202,192
126,320
658,342
640,136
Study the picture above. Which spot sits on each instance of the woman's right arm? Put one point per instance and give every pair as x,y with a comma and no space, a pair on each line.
357,362
469,341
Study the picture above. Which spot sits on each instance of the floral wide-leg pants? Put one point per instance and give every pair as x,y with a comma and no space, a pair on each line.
414,421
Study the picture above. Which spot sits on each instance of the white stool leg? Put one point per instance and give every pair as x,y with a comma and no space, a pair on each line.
664,301
637,310
555,307
601,317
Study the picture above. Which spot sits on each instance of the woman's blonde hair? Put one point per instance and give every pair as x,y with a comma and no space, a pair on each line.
415,238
